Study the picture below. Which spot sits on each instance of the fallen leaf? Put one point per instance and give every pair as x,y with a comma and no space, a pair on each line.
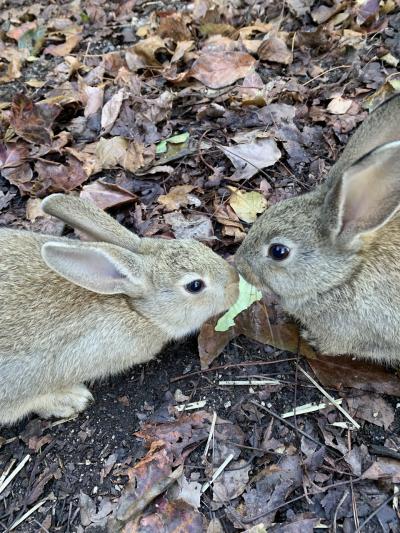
177,197
372,408
118,151
33,122
247,296
300,7
193,226
384,468
188,491
146,50
231,484
111,111
62,50
250,158
339,105
175,139
54,177
247,205
219,69
274,49
106,195
169,517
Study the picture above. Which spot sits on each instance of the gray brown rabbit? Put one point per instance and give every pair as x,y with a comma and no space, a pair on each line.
75,311
333,255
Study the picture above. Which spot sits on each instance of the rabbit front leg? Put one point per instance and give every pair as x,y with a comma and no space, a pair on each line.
60,404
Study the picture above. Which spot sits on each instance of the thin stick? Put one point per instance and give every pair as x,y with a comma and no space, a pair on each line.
331,399
27,514
8,480
231,365
6,471
326,72
372,515
210,436
284,421
218,472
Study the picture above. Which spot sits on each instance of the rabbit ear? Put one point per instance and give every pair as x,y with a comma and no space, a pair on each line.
105,270
367,195
93,221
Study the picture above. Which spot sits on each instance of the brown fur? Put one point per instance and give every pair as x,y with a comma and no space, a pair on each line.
56,334
342,277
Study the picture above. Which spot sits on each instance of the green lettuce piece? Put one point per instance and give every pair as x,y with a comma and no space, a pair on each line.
248,294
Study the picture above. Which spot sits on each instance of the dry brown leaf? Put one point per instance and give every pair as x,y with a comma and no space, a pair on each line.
219,69
54,177
384,468
274,49
106,195
33,122
249,158
62,50
146,50
339,105
111,111
177,197
118,151
194,226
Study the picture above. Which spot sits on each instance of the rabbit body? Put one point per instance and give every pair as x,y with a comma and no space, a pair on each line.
341,276
56,333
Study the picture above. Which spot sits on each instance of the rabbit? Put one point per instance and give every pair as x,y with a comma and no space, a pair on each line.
332,256
74,311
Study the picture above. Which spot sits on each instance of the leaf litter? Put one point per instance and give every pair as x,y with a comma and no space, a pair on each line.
187,122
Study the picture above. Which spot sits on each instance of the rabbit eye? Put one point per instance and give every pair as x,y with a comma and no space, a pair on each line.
195,286
278,252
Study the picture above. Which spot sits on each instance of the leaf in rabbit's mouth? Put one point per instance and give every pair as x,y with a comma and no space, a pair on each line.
248,294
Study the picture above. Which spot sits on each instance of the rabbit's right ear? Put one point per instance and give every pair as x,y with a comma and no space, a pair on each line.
85,216
366,196
104,269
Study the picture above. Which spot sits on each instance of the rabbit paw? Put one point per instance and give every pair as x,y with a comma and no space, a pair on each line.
66,402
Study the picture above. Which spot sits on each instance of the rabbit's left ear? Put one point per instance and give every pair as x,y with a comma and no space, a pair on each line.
366,196
104,269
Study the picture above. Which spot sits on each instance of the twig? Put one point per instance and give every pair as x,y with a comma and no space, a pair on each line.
326,72
8,480
210,436
339,505
331,399
27,514
230,365
374,513
218,472
284,421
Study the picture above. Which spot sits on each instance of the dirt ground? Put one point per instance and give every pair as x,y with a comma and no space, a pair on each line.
326,65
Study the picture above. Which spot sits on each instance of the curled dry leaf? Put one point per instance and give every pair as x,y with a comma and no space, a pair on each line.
106,195
146,50
219,69
62,50
118,151
194,226
33,122
249,158
55,177
247,205
111,111
339,105
177,197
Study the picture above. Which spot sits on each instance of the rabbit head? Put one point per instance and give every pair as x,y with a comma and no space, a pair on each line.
176,284
307,245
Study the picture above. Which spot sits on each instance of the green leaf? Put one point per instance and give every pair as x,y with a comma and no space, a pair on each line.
248,294
181,138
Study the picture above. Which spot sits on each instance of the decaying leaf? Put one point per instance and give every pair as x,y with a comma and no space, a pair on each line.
118,151
274,49
61,50
106,195
177,197
193,226
249,158
219,69
247,205
33,122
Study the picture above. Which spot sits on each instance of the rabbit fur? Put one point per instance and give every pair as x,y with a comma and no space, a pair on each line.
341,279
75,311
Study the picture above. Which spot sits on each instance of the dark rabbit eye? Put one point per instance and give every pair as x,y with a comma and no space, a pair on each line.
278,252
195,286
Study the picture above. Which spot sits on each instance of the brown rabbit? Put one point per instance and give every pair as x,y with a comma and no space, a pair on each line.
75,311
333,255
